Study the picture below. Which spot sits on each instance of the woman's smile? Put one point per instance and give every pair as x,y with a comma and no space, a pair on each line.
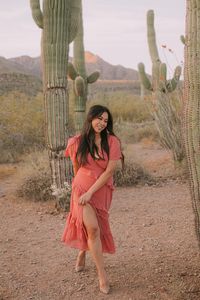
100,123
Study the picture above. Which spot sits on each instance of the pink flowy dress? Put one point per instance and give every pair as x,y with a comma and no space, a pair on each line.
75,234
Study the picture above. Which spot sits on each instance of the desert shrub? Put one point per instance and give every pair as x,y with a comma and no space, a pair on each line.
132,174
35,181
34,177
36,187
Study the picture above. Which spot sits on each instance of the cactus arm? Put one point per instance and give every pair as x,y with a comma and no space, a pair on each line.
143,77
163,77
172,84
72,71
151,37
36,12
76,8
93,77
79,86
182,38
163,72
78,50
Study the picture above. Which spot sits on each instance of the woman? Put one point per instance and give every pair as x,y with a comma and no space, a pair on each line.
94,155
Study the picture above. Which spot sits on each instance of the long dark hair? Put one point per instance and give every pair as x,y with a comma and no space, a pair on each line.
87,139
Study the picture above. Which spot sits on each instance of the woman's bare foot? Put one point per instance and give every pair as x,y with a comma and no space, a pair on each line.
104,288
80,262
103,284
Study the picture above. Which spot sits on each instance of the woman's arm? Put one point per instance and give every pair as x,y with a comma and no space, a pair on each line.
75,166
99,182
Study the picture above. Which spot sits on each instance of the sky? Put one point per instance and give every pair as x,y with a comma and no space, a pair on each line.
115,30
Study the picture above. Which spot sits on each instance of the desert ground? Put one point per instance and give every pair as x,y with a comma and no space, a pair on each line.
157,250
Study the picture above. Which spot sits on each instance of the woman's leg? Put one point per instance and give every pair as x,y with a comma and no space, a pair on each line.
94,244
80,262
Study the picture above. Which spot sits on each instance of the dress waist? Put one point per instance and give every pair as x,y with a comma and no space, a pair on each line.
94,175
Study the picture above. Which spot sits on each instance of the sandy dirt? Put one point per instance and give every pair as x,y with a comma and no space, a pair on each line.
157,251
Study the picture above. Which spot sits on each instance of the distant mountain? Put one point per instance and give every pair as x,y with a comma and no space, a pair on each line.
11,66
23,74
108,71
31,66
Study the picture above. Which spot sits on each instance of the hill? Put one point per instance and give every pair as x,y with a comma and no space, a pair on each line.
31,66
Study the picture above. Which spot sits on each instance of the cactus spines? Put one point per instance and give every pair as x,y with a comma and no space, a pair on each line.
77,72
166,118
59,21
192,104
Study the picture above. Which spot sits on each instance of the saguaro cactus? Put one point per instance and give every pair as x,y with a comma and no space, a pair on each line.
192,103
59,22
77,72
165,114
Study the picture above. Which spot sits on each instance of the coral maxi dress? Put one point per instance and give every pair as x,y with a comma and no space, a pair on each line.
75,234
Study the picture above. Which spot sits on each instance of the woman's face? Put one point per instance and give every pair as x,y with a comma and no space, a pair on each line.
100,123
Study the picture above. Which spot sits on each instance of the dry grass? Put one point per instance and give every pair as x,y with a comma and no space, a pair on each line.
123,106
130,132
21,125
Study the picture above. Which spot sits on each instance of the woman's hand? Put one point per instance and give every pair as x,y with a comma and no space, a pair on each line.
85,198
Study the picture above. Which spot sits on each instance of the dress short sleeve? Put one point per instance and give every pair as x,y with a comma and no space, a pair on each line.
72,147
115,148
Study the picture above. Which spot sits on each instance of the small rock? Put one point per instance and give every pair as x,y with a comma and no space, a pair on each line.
183,273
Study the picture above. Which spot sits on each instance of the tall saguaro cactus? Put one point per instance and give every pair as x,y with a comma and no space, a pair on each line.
192,103
59,21
166,117
77,72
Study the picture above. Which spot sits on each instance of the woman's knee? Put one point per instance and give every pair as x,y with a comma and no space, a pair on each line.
90,222
93,232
